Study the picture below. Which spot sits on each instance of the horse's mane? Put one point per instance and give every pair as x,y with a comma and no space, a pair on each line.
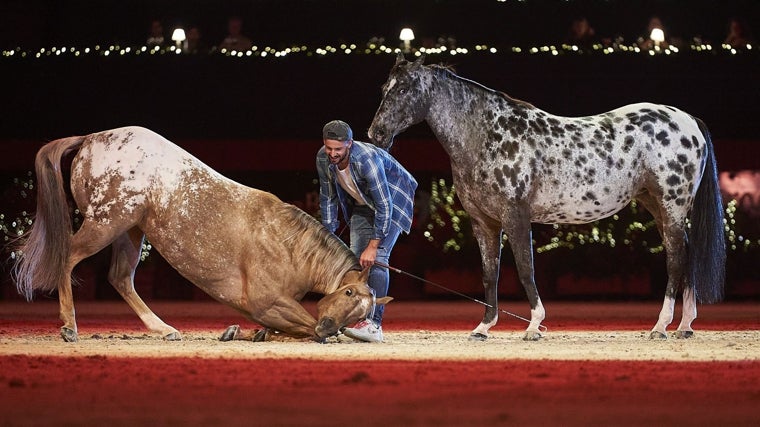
449,72
311,242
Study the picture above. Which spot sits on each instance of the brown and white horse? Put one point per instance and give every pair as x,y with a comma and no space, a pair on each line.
244,247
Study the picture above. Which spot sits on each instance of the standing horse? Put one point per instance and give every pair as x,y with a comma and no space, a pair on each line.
242,246
514,164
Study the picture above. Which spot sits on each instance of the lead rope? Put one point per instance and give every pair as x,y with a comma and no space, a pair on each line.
542,328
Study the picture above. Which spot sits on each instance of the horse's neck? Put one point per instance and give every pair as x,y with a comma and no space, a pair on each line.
459,116
451,116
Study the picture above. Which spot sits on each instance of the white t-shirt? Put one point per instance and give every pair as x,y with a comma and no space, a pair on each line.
347,182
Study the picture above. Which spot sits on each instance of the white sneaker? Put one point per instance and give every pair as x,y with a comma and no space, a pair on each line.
365,330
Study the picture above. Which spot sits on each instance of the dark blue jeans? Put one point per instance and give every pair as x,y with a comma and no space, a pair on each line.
362,228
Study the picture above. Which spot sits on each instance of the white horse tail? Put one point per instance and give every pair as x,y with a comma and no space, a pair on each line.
44,250
707,246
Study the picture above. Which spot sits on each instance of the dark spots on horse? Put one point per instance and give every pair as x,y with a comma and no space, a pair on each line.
680,201
567,154
499,175
695,142
630,128
608,145
502,122
628,143
648,129
521,112
682,158
588,196
689,171
662,136
510,149
610,162
619,164
608,127
675,167
493,136
673,180
531,142
674,126
685,142
517,126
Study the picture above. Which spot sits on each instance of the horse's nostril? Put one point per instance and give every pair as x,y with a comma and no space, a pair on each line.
327,323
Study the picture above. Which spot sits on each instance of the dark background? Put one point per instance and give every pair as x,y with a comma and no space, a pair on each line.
258,120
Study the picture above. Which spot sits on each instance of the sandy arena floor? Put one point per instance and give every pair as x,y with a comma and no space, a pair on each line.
595,365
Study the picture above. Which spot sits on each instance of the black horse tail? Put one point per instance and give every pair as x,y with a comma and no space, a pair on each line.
44,250
707,246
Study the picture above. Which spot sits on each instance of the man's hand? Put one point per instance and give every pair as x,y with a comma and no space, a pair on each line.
370,254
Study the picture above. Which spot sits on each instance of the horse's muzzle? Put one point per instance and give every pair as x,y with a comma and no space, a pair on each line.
327,327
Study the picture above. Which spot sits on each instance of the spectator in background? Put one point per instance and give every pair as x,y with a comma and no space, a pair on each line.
235,39
739,34
155,34
194,41
581,33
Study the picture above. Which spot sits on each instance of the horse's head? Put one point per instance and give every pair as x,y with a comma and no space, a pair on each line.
406,100
353,301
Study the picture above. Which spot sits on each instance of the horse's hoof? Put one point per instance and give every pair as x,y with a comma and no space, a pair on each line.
477,336
260,336
684,334
230,333
173,336
532,336
69,335
657,335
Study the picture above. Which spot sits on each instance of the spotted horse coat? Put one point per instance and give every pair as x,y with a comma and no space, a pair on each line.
514,164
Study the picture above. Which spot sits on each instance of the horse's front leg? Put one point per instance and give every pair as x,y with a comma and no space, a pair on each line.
488,236
124,259
289,317
519,234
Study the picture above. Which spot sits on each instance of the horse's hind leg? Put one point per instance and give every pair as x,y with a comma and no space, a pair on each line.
124,260
674,240
87,241
688,314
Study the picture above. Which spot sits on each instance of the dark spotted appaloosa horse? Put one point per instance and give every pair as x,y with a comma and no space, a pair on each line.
242,246
514,164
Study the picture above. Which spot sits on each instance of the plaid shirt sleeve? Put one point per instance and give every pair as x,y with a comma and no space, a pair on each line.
328,198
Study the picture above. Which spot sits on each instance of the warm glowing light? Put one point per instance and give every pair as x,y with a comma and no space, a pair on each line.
406,34
178,36
657,35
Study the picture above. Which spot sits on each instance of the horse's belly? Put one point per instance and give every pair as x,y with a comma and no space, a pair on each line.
575,209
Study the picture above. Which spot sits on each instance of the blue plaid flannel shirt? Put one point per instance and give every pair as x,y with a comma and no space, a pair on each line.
387,188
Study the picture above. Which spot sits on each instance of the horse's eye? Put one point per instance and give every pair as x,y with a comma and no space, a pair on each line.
349,292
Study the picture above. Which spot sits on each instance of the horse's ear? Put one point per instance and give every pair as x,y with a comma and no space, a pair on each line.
364,276
400,58
420,60
383,300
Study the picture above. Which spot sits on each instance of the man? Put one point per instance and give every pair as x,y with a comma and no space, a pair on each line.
376,195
